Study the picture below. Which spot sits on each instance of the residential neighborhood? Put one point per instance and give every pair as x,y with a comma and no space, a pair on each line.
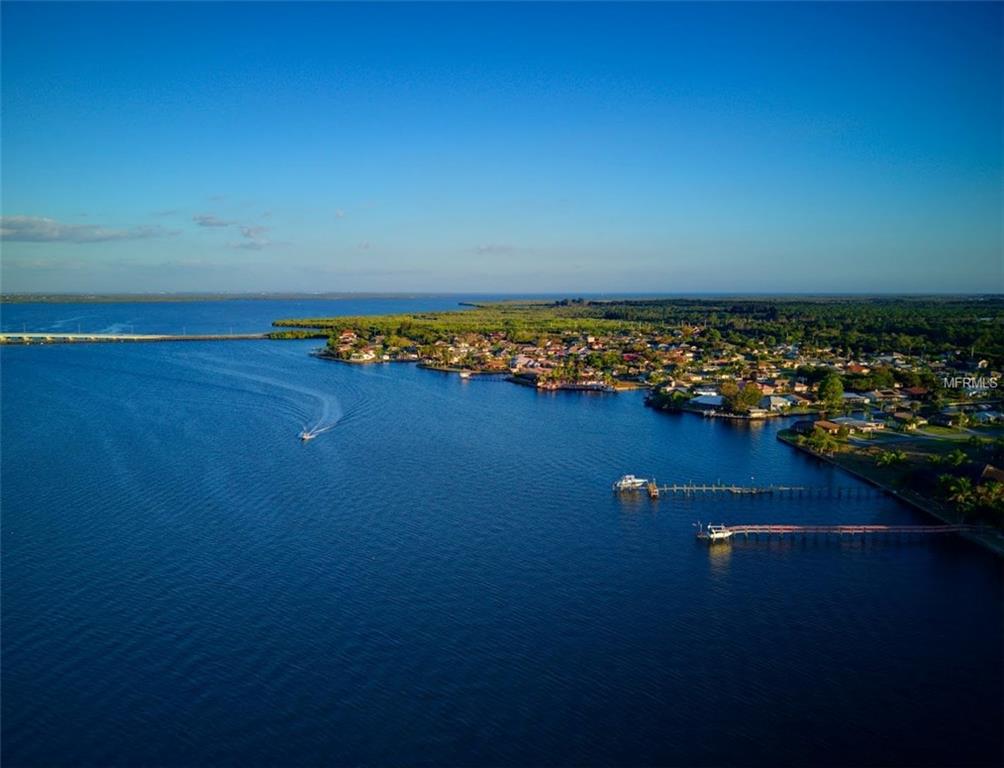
692,369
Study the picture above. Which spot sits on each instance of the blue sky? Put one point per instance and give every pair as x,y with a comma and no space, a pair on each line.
503,148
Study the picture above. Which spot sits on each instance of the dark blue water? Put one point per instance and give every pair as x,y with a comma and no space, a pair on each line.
445,578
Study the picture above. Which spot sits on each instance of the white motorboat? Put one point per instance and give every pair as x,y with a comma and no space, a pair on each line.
630,483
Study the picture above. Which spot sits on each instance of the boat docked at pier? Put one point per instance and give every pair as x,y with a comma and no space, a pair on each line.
714,532
630,483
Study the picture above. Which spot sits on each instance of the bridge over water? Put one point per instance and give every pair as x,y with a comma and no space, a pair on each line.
97,338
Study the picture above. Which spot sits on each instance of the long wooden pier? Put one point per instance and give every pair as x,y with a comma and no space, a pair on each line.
735,489
723,533
654,490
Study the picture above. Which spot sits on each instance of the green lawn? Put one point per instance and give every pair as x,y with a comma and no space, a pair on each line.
936,431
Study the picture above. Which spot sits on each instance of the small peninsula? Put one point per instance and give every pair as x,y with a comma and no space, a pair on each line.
904,391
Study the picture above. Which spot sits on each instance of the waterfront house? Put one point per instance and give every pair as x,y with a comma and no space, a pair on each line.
827,426
803,427
706,402
363,356
774,403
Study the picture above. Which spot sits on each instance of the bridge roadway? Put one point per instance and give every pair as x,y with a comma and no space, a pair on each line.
93,338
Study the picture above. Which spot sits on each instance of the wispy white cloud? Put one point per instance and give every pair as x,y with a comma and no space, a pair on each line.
48,265
255,238
39,229
340,213
209,220
494,249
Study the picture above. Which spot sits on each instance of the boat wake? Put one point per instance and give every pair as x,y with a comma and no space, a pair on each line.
309,433
326,423
318,411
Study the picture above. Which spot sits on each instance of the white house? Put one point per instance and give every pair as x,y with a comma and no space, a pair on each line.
774,403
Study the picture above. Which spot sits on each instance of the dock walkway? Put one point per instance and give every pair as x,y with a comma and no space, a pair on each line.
716,533
655,490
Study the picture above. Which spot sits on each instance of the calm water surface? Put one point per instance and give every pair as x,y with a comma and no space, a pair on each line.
445,578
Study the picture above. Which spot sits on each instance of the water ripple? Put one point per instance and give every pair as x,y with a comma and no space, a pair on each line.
445,578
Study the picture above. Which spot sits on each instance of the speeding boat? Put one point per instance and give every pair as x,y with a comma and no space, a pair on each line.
305,436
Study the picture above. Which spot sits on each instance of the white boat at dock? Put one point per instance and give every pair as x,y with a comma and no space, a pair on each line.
630,483
714,532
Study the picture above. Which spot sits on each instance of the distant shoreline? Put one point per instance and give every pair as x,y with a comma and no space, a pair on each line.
467,298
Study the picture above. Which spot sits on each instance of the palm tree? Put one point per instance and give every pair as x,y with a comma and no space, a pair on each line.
888,458
956,458
959,491
989,497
